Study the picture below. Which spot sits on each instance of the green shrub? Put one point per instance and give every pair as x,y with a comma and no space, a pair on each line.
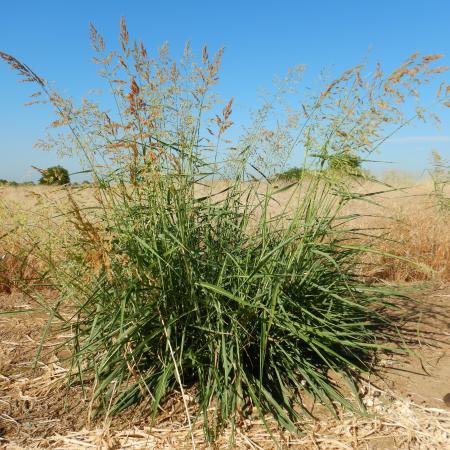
55,175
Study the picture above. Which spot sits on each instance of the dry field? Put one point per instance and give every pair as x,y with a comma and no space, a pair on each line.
407,402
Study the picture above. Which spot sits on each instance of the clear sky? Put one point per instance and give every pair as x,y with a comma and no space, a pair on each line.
262,39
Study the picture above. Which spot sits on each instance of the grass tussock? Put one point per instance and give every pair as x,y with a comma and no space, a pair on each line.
408,233
173,289
420,236
33,233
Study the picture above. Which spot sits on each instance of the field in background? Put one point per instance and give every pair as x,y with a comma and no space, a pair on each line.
413,228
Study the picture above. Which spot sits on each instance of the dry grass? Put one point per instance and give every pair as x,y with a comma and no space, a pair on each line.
422,237
32,227
22,229
413,228
399,424
392,422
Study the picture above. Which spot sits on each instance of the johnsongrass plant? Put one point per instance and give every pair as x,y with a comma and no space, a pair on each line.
193,269
213,288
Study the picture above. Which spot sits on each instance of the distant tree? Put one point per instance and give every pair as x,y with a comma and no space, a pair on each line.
54,175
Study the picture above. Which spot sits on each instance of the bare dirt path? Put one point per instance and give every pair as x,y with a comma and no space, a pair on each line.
424,374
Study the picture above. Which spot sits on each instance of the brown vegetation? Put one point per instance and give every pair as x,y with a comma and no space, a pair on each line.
410,224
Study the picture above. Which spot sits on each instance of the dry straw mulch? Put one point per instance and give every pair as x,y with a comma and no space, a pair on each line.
31,418
400,424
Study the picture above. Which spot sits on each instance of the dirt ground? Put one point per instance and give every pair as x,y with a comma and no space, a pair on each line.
424,374
407,400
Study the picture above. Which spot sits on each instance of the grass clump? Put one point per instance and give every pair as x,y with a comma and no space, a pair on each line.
213,288
176,279
219,292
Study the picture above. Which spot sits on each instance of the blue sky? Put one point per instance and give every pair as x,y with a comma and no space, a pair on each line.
262,39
